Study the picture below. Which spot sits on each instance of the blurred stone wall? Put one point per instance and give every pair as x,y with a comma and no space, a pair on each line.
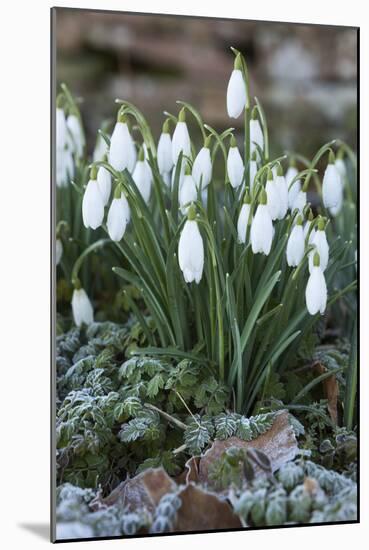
305,76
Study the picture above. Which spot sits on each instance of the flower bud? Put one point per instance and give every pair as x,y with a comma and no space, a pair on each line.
282,192
142,177
187,191
191,249
316,289
104,184
236,91
332,187
202,168
181,138
296,244
82,308
61,129
77,141
261,234
165,160
293,189
118,216
235,166
319,241
273,196
256,134
122,150
244,218
92,203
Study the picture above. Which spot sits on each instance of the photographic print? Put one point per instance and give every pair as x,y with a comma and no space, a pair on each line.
205,247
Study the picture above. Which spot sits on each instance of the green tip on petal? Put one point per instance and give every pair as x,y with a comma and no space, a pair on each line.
141,154
207,141
279,170
187,170
238,62
93,172
292,162
247,198
270,175
166,126
233,142
316,260
191,213
321,224
263,197
331,158
299,220
182,115
254,113
340,154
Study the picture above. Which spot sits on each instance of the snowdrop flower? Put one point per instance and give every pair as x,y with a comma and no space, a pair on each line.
236,91
77,141
164,155
293,189
296,244
187,191
261,234
58,251
64,167
142,176
316,289
253,170
235,166
319,241
191,249
282,192
202,168
341,166
256,134
61,129
181,138
118,215
104,183
122,150
244,217
273,196
332,187
101,149
92,203
81,307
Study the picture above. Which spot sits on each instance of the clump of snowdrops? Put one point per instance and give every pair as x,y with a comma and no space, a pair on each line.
233,268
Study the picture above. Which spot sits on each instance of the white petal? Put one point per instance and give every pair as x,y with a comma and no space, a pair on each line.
235,167
236,94
282,192
202,168
180,141
341,167
299,201
58,251
332,187
141,177
121,151
82,308
104,184
273,199
165,161
243,219
261,234
253,172
191,252
295,246
92,206
316,292
295,188
187,193
319,240
117,218
61,129
74,127
101,148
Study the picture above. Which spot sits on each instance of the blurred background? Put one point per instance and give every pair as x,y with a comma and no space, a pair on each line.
305,76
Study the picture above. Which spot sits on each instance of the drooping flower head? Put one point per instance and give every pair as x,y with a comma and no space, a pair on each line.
181,138
164,155
256,134
320,243
118,215
316,288
142,176
122,151
236,91
191,249
76,135
202,167
295,187
253,170
296,244
282,192
261,234
332,186
92,203
244,217
273,196
104,182
82,309
235,167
